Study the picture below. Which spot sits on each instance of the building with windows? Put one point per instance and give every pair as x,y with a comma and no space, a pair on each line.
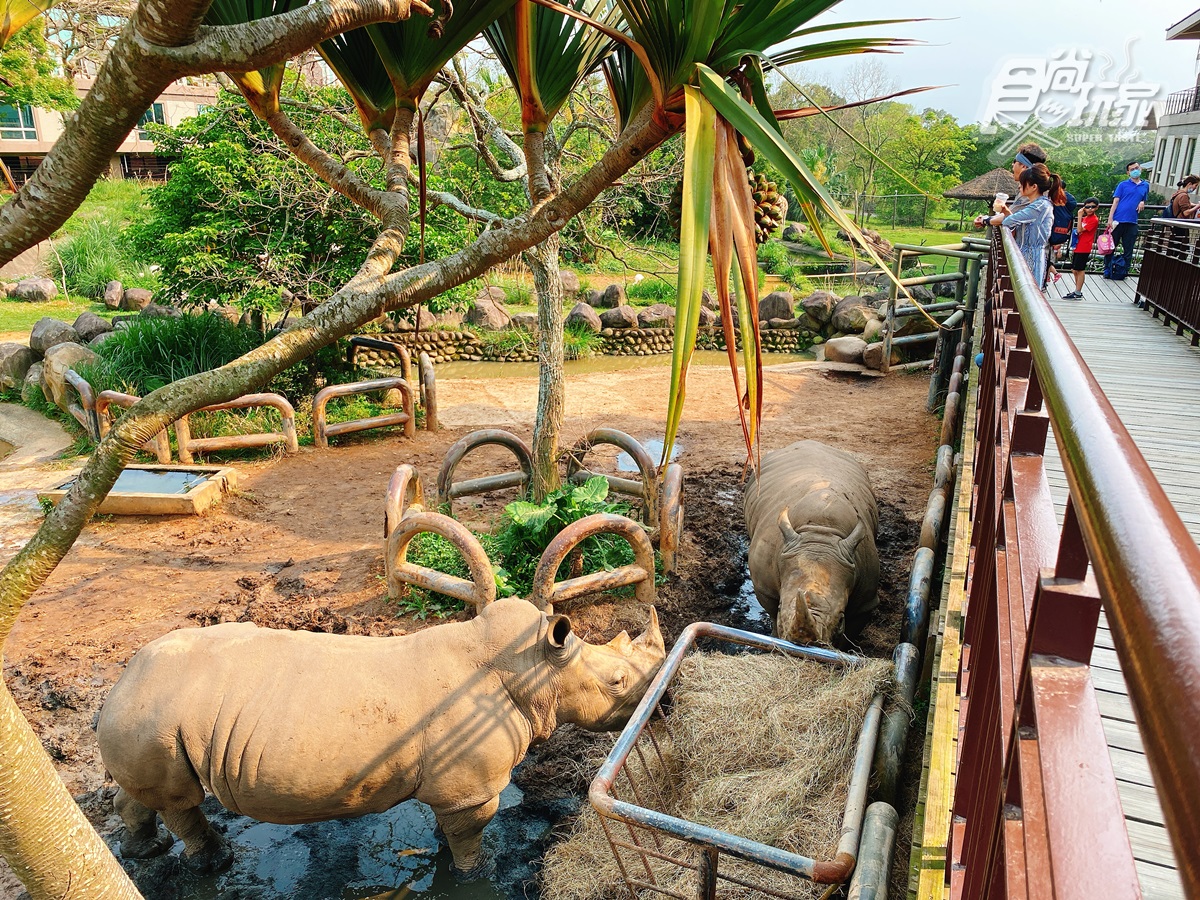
27,133
1175,153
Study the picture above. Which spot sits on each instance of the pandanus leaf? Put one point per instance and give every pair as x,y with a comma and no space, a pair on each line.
16,14
260,87
698,167
627,83
356,63
783,115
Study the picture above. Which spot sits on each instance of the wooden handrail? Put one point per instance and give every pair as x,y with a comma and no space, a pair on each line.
1146,564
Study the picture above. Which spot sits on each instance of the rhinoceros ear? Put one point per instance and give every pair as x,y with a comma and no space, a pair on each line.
558,630
785,525
651,638
850,543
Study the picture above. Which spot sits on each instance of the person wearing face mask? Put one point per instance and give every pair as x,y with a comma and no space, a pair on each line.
1129,199
1184,204
1033,219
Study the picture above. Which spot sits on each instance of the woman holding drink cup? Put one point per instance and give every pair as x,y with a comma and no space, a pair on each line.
1033,219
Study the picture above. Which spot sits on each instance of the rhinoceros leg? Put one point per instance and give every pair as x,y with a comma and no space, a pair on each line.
464,833
143,838
204,850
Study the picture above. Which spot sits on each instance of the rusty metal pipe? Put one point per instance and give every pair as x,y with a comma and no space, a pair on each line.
648,488
480,590
403,493
447,490
387,347
323,432
428,391
546,591
889,753
159,445
287,437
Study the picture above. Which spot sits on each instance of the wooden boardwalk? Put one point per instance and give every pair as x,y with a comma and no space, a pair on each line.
1152,377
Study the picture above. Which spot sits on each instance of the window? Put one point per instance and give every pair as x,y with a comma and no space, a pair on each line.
16,123
1189,156
1160,173
1173,169
153,116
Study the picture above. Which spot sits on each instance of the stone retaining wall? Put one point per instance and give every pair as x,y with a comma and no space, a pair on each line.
446,346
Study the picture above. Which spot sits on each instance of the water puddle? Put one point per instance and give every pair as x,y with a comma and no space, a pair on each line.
654,446
466,369
747,606
143,481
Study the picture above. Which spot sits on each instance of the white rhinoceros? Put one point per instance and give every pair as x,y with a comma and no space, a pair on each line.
811,517
294,726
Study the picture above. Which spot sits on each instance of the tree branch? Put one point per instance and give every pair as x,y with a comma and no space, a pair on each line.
485,128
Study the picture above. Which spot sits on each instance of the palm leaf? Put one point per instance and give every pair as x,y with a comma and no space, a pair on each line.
260,88
849,47
16,14
354,60
627,83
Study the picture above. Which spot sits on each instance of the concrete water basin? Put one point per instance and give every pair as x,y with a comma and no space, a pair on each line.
160,490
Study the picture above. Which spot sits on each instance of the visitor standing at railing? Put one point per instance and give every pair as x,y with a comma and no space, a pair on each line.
1033,217
1028,156
1183,203
1129,199
1086,227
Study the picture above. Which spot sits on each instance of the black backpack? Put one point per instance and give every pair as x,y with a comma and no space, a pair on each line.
1064,220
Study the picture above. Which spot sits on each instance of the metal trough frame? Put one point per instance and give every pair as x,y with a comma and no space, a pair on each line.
636,817
322,432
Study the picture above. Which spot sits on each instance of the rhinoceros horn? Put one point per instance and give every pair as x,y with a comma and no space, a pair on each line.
651,638
785,525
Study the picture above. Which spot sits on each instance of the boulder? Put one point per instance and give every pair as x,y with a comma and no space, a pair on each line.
113,292
613,296
100,339
161,311
451,319
776,305
850,315
873,356
88,325
783,324
492,292
619,317
657,316
229,313
31,387
945,289
7,288
487,312
524,321
818,306
593,298
708,317
393,398
59,359
48,332
570,283
921,293
793,231
583,316
35,290
845,349
708,301
873,331
15,360
428,321
136,299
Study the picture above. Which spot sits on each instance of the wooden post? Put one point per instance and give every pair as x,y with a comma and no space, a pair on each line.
889,323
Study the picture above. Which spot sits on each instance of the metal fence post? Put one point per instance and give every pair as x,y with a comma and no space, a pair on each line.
889,324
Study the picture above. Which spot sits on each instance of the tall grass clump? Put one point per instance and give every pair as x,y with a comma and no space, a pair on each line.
97,254
649,291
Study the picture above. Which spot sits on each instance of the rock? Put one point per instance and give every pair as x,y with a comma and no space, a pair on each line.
845,349
428,321
708,316
783,324
524,321
113,292
593,298
451,319
818,306
570,283
873,356
136,299
583,316
708,301
7,288
613,296
945,289
921,293
35,290
31,387
228,313
15,360
487,312
100,339
161,311
48,332
393,398
793,231
873,331
657,316
776,305
88,325
59,359
492,292
850,315
619,317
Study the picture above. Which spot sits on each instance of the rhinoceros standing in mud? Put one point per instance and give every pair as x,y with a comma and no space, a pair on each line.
811,517
291,727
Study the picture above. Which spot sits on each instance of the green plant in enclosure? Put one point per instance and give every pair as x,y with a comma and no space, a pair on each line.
649,291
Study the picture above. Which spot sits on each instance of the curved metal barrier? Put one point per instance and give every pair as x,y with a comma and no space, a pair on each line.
546,591
670,516
403,494
159,445
85,410
1036,807
480,590
428,391
647,488
448,490
286,436
322,431
387,346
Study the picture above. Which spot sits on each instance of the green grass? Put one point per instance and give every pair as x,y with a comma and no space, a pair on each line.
114,202
17,316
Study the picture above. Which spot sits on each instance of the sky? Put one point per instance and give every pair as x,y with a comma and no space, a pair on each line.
976,40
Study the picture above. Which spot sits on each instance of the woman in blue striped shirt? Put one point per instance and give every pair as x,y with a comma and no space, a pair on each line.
1031,224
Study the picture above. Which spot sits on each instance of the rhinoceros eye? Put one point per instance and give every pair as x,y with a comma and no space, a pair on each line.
617,682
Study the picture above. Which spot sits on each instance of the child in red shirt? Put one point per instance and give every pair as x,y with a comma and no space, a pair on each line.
1086,228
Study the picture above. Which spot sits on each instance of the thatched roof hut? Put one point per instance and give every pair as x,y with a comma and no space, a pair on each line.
985,187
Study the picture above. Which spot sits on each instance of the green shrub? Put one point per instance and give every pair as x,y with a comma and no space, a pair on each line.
773,257
97,254
649,291
580,342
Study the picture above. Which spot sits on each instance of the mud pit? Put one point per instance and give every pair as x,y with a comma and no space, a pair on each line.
300,546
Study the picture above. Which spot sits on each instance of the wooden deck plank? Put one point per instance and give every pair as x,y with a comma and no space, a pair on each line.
1149,374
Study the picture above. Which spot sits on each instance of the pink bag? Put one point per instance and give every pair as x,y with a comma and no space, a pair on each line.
1105,243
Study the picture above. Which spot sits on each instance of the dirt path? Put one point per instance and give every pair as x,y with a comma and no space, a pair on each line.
300,546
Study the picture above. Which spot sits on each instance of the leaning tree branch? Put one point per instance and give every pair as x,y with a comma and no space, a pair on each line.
485,128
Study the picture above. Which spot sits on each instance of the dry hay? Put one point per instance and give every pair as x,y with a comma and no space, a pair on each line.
760,746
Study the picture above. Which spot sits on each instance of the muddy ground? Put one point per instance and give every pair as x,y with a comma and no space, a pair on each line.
300,546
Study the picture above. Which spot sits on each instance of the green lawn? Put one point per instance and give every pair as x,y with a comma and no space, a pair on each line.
17,316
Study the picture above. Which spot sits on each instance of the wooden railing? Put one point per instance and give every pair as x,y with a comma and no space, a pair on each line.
1169,284
1036,809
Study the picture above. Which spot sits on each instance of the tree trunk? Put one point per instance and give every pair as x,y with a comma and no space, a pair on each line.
46,838
552,389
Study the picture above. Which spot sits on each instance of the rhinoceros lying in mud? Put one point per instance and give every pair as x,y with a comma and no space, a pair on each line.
811,517
291,727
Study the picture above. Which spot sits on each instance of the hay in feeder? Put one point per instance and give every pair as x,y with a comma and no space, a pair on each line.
759,746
